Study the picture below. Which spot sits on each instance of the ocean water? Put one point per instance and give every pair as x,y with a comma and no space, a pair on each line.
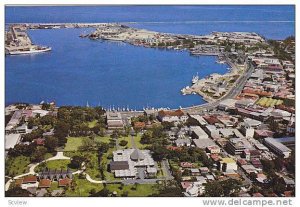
78,70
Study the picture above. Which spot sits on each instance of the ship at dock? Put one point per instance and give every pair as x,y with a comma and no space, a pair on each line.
195,78
17,42
30,50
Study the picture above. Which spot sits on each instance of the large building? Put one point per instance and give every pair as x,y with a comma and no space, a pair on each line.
132,163
277,147
172,116
114,120
198,133
236,146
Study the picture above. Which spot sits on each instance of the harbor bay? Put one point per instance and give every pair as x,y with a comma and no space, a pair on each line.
78,71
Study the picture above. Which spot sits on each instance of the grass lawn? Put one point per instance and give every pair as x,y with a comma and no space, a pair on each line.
128,139
102,139
137,140
82,187
16,165
142,190
138,143
54,186
91,124
53,164
48,155
73,143
104,162
92,167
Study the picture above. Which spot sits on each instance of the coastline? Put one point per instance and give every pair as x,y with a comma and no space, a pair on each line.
205,97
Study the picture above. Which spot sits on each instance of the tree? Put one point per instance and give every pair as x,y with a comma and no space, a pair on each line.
225,188
21,149
167,125
87,144
17,192
102,193
45,106
76,162
123,143
278,163
213,189
268,165
103,147
51,143
38,154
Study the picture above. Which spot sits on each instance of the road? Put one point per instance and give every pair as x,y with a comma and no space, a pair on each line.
232,93
166,168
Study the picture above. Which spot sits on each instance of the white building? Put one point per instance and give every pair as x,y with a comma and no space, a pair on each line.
277,147
172,116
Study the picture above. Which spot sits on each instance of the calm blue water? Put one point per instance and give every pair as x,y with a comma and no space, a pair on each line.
80,70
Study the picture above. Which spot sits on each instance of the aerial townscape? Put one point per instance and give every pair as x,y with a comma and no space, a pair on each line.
241,142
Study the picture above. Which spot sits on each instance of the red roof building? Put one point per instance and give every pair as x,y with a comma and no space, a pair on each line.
40,141
44,183
186,164
29,179
64,182
139,125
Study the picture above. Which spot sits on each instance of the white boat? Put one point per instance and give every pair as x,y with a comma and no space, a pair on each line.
195,79
30,51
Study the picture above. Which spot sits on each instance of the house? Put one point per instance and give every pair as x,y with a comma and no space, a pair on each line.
55,174
204,170
213,149
139,125
289,182
39,141
191,191
172,116
186,165
44,183
248,169
183,142
64,182
195,172
29,179
209,177
256,163
114,120
196,189
186,184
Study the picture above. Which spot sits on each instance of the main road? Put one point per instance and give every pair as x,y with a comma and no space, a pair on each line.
232,93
